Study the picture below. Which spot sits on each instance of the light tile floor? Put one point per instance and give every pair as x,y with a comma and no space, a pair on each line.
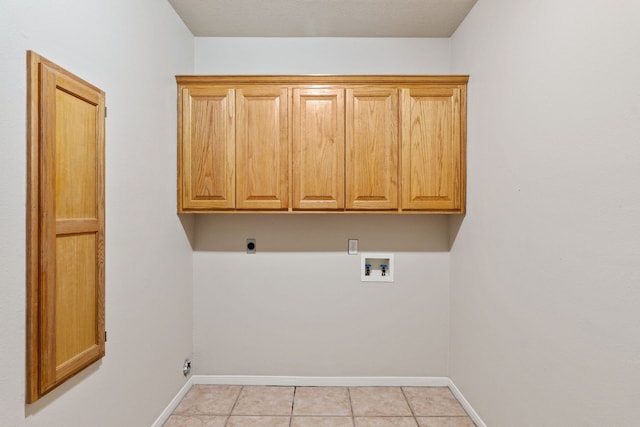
271,406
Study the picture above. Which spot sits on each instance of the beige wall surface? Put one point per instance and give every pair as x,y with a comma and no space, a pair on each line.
323,55
545,325
148,256
297,307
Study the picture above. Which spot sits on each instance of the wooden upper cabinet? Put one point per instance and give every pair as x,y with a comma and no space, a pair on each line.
372,148
207,149
318,148
322,143
262,148
432,149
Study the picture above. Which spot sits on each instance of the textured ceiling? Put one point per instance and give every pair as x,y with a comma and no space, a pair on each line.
322,18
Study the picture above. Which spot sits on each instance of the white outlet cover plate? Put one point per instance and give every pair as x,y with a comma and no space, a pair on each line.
353,246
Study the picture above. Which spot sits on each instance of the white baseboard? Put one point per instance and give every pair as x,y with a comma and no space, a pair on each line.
466,405
320,381
164,416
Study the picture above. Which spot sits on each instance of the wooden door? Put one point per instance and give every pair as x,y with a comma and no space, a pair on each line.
432,149
65,292
372,148
262,148
207,149
318,148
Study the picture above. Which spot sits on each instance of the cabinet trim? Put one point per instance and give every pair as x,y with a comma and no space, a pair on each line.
323,79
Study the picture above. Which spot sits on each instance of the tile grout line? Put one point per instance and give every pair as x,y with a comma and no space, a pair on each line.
235,403
353,417
293,402
406,399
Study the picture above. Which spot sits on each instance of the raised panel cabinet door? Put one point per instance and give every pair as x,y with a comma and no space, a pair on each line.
207,149
65,309
432,149
318,149
371,166
262,148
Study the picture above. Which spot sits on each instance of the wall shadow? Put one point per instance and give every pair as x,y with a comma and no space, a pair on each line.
321,233
455,224
189,227
50,398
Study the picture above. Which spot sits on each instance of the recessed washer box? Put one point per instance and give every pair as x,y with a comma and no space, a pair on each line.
376,267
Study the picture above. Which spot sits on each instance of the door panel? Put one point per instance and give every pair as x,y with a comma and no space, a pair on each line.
75,294
318,148
372,149
75,151
431,149
262,157
208,148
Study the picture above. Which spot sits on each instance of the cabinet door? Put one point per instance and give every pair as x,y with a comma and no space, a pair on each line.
262,152
372,148
318,148
207,151
432,149
66,217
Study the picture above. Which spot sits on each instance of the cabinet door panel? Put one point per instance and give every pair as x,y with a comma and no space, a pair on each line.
372,148
432,149
318,148
208,148
75,291
262,148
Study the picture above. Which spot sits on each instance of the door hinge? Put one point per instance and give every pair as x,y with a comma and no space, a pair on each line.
105,336
105,112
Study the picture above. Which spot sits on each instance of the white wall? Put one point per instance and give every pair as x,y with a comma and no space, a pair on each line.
545,323
297,307
229,55
132,51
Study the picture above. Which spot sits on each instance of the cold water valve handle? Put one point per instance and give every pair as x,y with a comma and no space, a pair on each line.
367,269
384,269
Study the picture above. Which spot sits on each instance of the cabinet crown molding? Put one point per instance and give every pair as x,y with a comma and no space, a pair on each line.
323,79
